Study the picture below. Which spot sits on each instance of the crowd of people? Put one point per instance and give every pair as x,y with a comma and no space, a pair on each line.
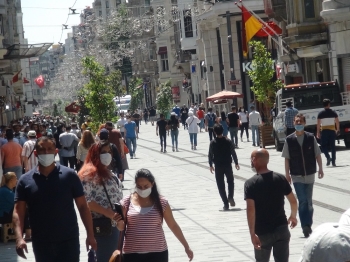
90,173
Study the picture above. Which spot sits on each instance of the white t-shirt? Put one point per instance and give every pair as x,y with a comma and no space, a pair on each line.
254,118
192,122
243,117
120,124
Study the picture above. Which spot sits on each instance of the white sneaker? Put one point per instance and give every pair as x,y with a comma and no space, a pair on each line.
134,155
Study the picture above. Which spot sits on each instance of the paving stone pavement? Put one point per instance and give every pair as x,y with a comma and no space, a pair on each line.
184,179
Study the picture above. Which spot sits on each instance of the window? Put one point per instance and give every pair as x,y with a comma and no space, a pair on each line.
147,2
164,61
118,2
100,13
188,23
309,8
107,3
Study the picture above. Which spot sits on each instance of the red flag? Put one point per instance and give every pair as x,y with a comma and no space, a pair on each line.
25,80
40,81
15,77
266,31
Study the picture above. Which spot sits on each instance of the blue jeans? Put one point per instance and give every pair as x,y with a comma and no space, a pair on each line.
306,210
278,240
174,137
255,132
328,138
129,141
60,156
193,139
233,134
106,245
201,124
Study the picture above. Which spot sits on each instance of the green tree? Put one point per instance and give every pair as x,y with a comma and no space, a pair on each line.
164,98
136,92
264,88
98,94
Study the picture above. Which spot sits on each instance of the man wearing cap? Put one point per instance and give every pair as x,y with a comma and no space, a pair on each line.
289,115
29,159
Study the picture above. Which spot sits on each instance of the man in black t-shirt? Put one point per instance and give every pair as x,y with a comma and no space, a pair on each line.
136,117
152,115
268,225
233,124
162,125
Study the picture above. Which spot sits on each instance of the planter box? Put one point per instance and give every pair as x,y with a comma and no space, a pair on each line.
266,139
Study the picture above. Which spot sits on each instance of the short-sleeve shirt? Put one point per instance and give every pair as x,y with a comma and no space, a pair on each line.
162,124
268,191
289,115
130,129
327,117
144,232
50,202
12,153
152,112
95,192
136,117
233,117
243,116
27,151
200,114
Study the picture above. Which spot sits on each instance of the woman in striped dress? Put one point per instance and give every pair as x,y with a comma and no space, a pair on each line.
145,211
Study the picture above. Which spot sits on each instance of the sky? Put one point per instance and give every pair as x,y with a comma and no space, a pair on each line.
43,19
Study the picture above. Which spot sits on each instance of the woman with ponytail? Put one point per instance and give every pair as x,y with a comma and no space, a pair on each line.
145,211
7,197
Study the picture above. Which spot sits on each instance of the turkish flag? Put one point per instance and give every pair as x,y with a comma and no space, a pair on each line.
15,77
40,81
25,80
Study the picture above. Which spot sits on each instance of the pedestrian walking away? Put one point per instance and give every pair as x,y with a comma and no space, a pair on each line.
145,210
301,152
177,111
68,141
210,119
327,130
222,120
131,135
84,145
268,225
289,115
162,126
11,155
136,117
221,153
50,191
233,123
145,115
121,123
254,123
243,118
184,116
192,122
173,126
200,115
102,189
152,115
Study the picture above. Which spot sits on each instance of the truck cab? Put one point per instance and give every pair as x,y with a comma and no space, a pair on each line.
307,98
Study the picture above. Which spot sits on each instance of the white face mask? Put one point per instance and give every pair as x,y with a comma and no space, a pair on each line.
46,159
106,159
144,193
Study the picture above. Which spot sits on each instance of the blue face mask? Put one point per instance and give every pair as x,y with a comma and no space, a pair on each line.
299,127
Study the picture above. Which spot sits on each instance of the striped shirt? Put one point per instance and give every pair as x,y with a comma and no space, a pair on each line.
327,117
28,148
144,231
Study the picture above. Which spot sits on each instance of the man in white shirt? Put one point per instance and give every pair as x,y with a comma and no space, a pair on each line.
121,122
28,157
254,123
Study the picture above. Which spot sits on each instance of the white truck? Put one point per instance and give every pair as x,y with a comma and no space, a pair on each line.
307,98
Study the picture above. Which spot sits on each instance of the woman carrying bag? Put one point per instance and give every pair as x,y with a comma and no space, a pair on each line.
102,189
144,212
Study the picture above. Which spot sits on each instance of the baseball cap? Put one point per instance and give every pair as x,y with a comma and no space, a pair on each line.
31,133
329,242
104,134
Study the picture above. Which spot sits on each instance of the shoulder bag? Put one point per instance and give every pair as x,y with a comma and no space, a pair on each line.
117,255
103,225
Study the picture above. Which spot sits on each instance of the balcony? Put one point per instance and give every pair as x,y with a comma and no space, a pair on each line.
335,11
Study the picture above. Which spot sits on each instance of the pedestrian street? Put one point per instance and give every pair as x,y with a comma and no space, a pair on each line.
213,235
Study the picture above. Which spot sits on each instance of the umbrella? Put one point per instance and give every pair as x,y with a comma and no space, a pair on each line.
223,95
219,102
36,113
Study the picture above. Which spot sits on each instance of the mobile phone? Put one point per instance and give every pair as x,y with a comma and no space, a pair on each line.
118,208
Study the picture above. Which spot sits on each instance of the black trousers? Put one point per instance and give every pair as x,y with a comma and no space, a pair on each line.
211,133
220,173
162,137
70,160
67,251
244,126
148,257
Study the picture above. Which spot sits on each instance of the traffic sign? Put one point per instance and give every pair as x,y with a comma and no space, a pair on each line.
234,82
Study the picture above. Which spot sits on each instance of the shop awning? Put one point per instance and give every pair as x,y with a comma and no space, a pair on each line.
19,51
162,50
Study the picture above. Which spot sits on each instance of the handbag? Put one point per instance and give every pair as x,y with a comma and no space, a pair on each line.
117,255
126,149
103,225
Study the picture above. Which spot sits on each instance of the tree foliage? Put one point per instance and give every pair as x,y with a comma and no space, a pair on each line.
164,98
264,88
136,92
98,94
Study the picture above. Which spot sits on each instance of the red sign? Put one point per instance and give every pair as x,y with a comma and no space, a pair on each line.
175,90
234,82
